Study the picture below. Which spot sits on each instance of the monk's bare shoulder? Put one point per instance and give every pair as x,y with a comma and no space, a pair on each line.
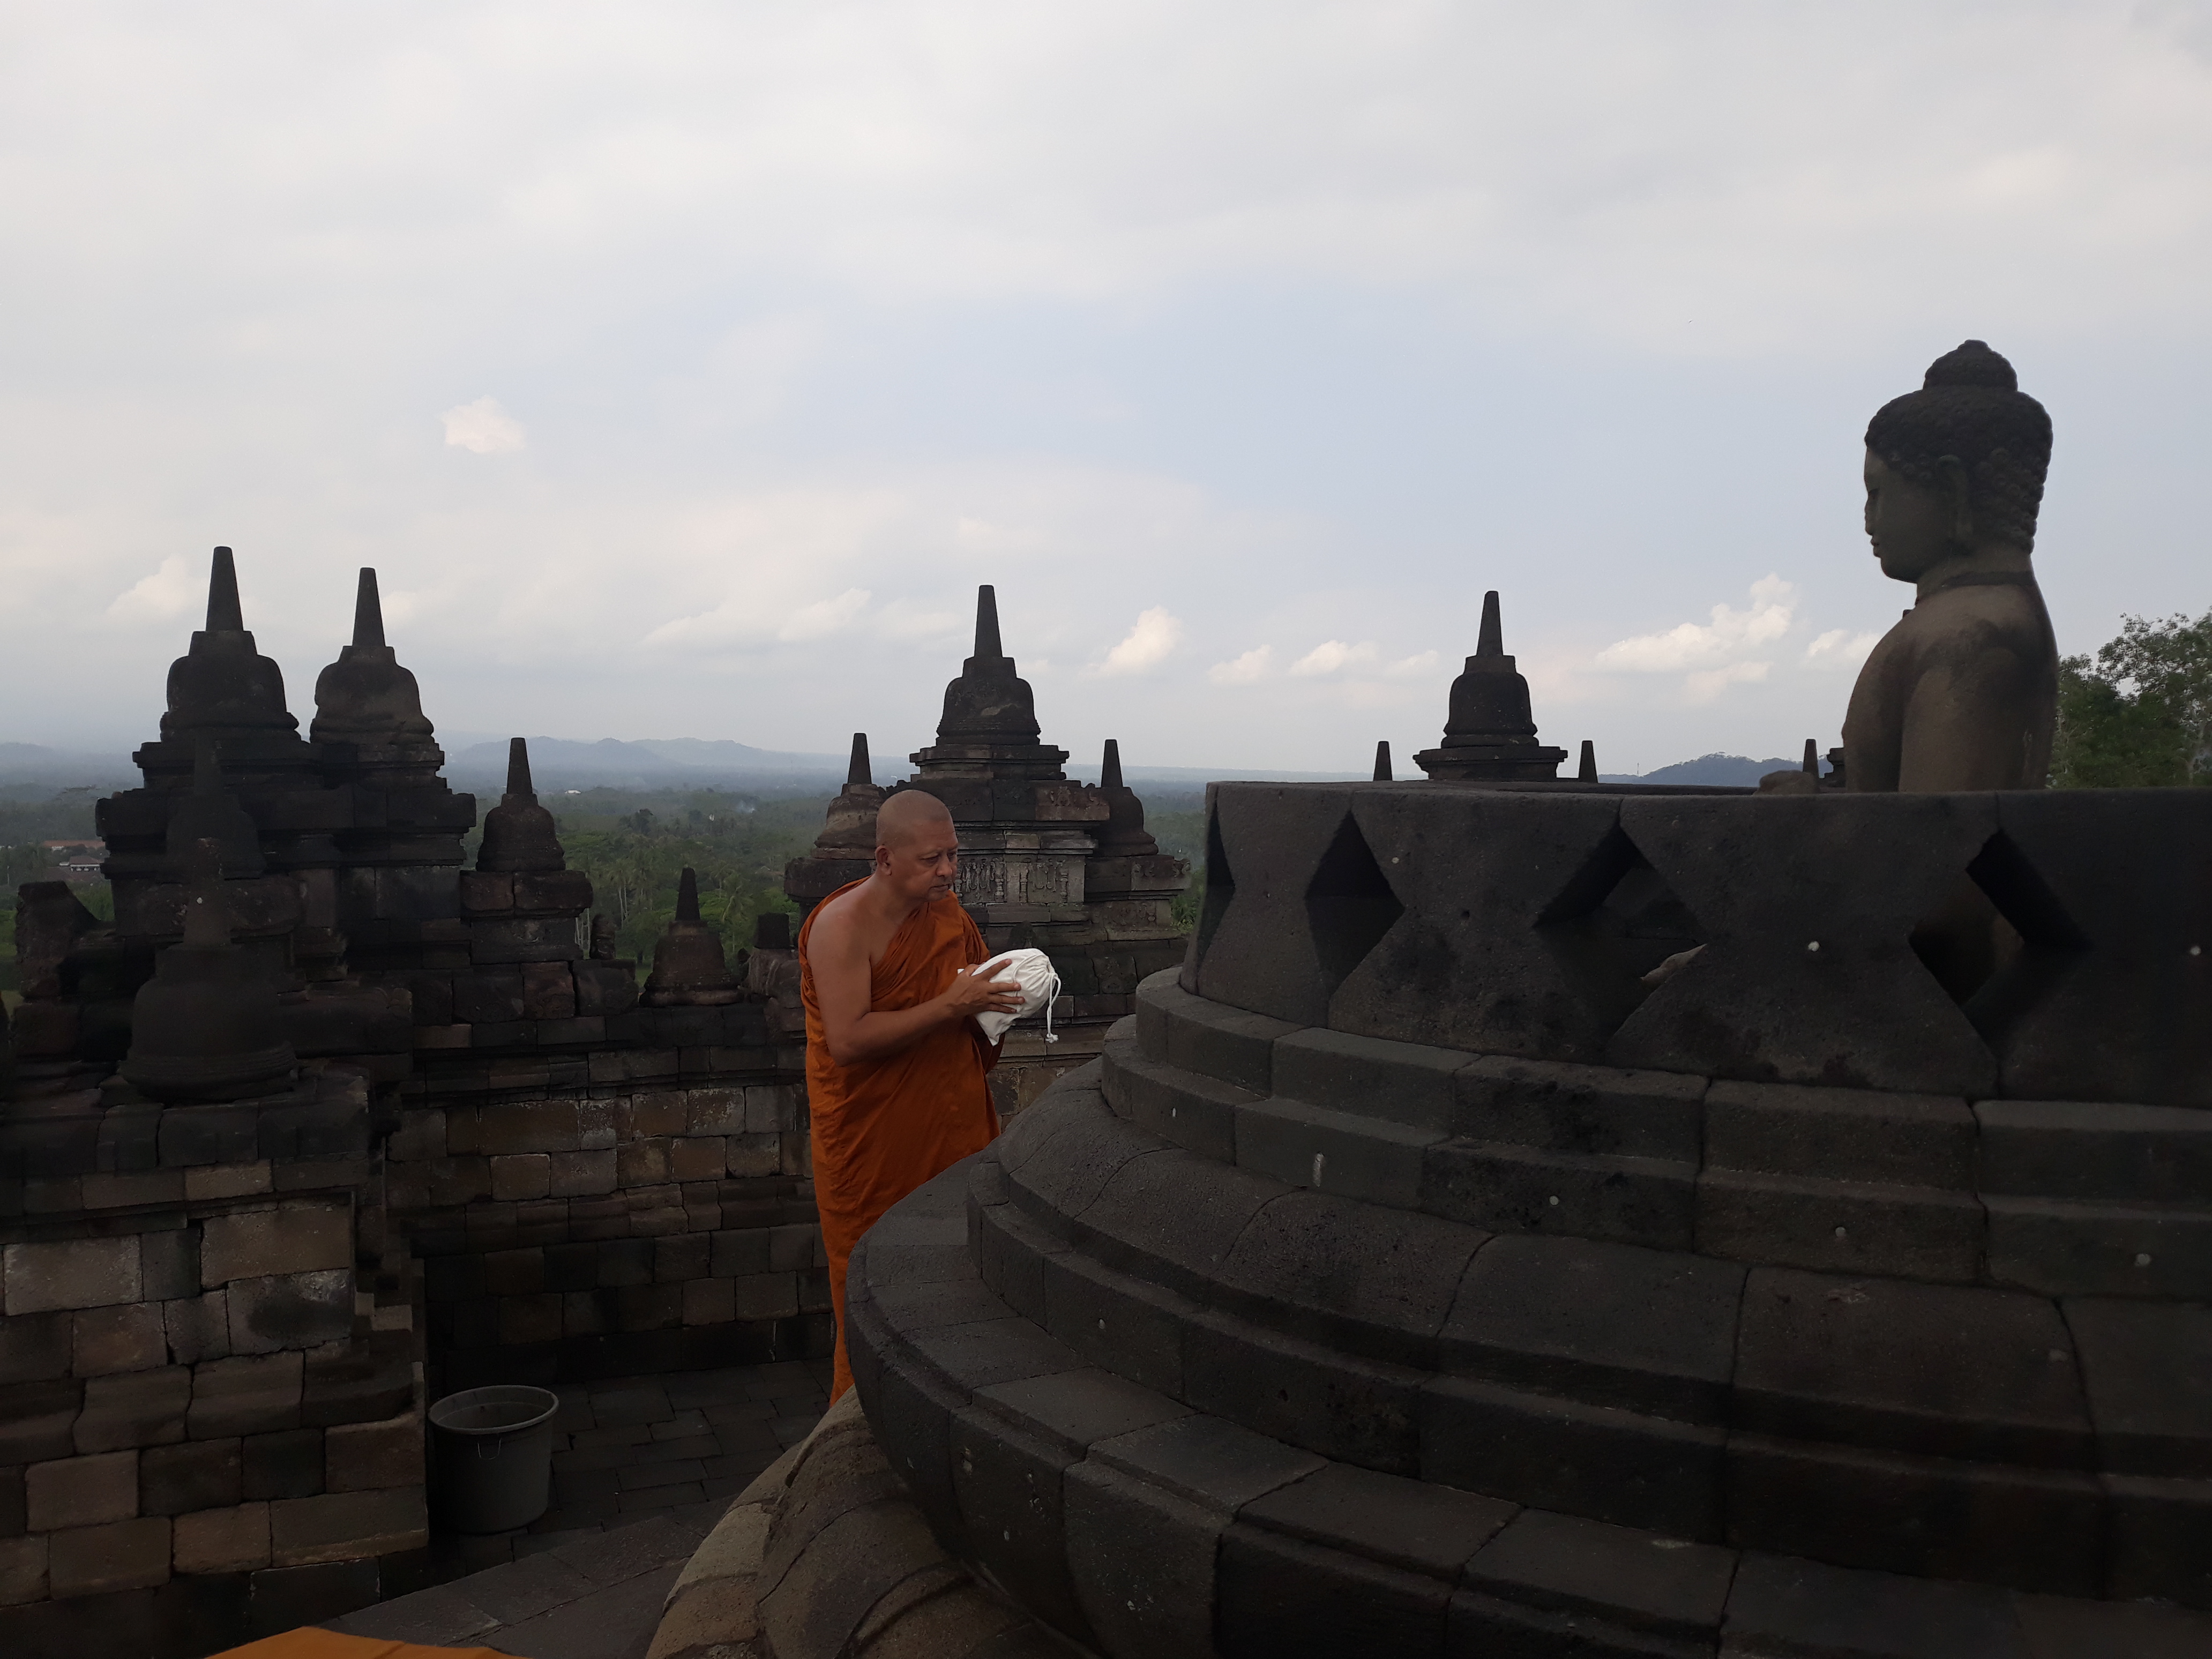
836,926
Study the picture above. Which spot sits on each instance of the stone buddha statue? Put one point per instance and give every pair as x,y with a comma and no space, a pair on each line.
1963,693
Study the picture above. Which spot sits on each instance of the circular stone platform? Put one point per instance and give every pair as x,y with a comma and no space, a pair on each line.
1413,1276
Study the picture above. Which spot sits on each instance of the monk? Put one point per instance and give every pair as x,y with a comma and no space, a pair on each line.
895,1062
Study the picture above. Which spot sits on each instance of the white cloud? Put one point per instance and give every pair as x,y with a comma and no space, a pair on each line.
1145,645
483,427
172,591
825,616
1330,655
1839,647
1706,685
1415,666
1692,644
1249,669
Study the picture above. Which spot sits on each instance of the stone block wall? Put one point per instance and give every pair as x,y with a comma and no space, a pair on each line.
660,1220
210,1391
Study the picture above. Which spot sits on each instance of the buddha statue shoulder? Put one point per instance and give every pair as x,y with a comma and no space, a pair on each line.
1963,692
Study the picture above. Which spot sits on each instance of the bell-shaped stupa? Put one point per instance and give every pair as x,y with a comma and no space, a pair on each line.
207,1026
689,967
518,833
1490,737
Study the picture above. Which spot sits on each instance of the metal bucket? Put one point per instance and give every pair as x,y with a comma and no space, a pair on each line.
492,1462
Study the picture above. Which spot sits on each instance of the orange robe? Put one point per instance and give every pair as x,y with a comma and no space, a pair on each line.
882,1128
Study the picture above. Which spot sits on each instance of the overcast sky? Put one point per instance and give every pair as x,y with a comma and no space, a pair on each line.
682,368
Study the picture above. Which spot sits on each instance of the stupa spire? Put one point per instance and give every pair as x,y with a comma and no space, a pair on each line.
987,648
518,770
1491,641
367,613
1109,768
1588,772
223,614
687,895
1382,761
858,770
1123,835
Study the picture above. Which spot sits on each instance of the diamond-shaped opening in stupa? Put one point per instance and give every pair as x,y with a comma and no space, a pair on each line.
1220,887
1998,939
1349,904
1617,930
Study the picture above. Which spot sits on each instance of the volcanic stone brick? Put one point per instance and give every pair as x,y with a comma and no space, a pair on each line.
134,1409
199,1474
1580,1108
23,1571
169,1263
37,1418
2143,1365
359,1387
372,1456
641,1163
526,1319
530,1126
2159,1539
754,1157
548,991
121,1338
519,1176
487,996
295,1237
123,1555
764,1296
1777,1600
234,1539
1625,1467
1840,1134
626,1261
579,1174
709,1302
1277,1597
248,1394
13,1520
771,1108
224,1181
1948,1371
35,1347
650,1116
513,1273
1652,1330
1143,1563
1571,1565
81,1492
685,1255
1403,1082
740,1251
198,1327
286,1464
77,1273
343,1525
650,1307
697,1158
290,1310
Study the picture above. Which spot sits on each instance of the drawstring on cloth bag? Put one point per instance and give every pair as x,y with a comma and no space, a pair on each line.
1031,973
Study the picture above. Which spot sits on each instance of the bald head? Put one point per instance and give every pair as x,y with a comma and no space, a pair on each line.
908,814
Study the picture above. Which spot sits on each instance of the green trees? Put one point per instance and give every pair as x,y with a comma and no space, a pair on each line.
2138,714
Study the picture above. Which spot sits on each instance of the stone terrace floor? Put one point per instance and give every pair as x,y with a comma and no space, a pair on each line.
632,1446
642,1469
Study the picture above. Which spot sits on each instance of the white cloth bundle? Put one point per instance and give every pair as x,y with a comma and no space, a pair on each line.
1031,973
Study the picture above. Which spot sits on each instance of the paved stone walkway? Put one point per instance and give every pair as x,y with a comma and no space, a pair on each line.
634,1446
643,1467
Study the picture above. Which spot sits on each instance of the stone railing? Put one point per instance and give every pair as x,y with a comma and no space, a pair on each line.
1838,932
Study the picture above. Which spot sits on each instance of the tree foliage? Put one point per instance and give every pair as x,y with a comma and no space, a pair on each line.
2138,714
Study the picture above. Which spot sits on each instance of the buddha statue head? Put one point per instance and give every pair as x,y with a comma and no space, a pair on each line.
1957,466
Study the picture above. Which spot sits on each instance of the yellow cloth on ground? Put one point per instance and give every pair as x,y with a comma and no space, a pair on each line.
308,1642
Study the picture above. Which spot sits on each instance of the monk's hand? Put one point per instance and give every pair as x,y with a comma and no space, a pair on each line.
971,993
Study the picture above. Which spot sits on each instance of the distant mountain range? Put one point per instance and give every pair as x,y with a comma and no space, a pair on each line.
1739,769
665,762
63,768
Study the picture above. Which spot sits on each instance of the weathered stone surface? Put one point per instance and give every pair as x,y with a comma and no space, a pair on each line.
81,1491
343,1525
129,1337
296,1237
78,1272
119,1556
134,1409
199,1474
233,1539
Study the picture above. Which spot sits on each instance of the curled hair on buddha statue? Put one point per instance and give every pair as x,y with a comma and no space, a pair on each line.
1971,407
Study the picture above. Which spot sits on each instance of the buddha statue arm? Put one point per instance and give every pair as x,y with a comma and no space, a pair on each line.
1967,726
